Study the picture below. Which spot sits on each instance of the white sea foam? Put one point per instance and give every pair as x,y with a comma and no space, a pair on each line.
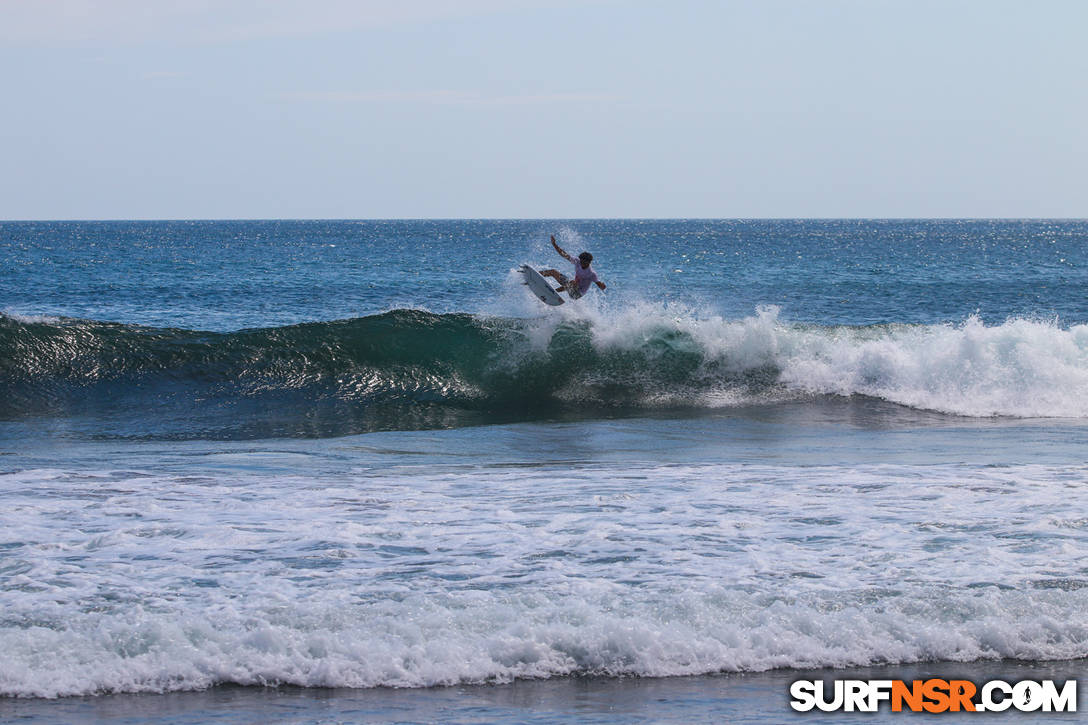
416,576
1018,368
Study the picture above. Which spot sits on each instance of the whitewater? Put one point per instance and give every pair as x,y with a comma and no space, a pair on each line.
235,454
400,577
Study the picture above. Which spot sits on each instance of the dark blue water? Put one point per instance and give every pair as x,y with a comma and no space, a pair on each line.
232,275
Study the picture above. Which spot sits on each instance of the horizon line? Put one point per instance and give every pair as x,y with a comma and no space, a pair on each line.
544,218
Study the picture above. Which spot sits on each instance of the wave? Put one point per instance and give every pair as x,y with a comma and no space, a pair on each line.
485,638
411,369
415,576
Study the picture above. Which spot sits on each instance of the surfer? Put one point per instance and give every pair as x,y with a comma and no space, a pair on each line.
584,275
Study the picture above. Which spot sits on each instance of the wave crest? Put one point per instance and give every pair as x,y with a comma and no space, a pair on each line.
413,369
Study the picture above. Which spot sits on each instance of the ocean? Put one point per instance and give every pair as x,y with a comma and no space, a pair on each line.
327,471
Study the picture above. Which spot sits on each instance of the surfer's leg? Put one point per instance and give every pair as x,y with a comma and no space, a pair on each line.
558,277
562,279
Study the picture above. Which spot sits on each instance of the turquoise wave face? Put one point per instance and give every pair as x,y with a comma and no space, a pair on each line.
403,369
412,369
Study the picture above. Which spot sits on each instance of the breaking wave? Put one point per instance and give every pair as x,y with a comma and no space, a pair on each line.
409,369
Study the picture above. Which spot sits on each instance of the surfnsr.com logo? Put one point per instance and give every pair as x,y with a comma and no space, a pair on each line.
934,695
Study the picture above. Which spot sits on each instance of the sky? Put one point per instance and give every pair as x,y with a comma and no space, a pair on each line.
242,109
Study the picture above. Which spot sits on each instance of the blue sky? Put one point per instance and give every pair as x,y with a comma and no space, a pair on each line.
481,108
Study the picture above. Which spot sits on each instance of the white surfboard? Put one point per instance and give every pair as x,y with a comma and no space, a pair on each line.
539,286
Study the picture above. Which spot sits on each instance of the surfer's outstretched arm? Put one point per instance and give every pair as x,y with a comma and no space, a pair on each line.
601,285
562,254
